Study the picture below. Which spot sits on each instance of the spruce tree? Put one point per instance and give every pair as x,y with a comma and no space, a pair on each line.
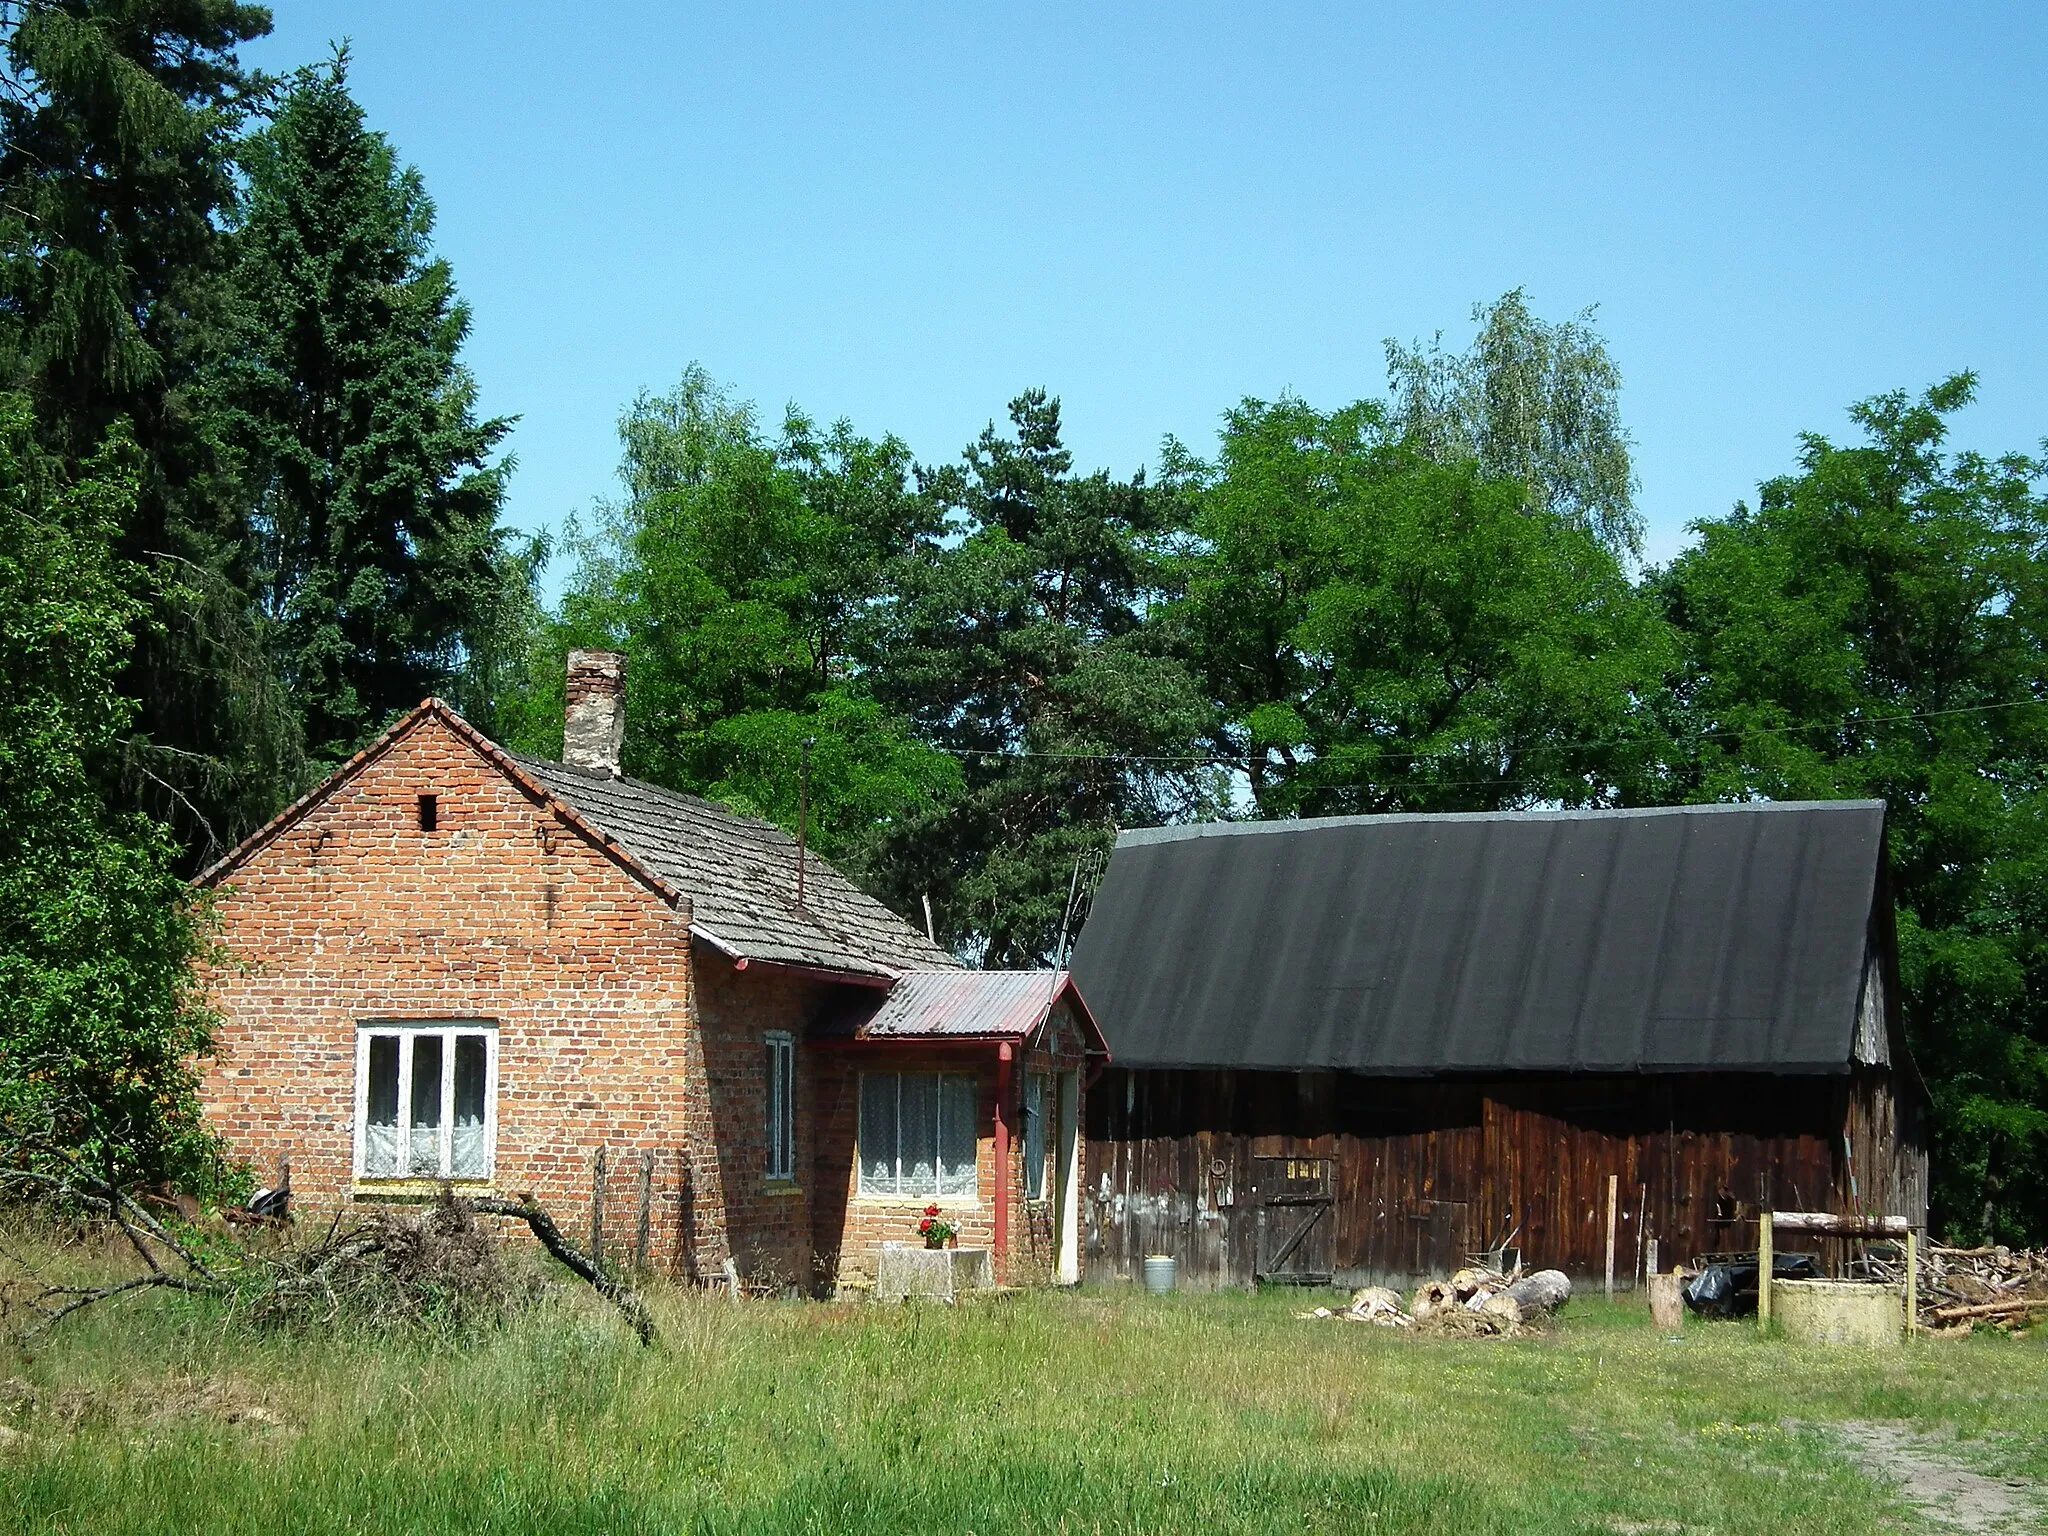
375,499
118,123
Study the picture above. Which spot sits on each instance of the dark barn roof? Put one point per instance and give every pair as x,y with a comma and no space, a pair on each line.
1698,938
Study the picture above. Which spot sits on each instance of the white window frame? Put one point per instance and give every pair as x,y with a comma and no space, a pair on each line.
964,1199
406,1031
781,1106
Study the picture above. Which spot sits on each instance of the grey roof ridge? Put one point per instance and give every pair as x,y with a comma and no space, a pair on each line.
1140,836
595,777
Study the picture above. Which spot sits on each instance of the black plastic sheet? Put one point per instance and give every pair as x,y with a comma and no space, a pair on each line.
1728,1288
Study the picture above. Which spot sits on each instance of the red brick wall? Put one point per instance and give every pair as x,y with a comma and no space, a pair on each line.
770,1221
850,1227
612,1032
502,913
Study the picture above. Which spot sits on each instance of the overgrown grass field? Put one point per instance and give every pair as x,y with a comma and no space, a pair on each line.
1046,1413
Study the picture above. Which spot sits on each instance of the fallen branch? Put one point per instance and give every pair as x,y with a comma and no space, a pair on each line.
1989,1309
624,1297
356,1258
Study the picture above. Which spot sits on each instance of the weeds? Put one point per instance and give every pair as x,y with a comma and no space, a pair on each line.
1047,1413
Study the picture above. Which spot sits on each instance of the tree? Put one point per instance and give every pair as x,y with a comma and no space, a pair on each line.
381,564
1381,632
1877,624
117,137
102,1019
742,577
1532,402
1020,645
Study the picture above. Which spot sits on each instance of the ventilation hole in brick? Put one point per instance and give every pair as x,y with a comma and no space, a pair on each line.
430,812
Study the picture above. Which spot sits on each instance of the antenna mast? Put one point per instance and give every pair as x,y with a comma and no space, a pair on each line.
803,817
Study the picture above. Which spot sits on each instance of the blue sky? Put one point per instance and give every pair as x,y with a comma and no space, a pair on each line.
904,216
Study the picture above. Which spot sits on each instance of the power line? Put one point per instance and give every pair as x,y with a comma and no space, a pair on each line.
1214,760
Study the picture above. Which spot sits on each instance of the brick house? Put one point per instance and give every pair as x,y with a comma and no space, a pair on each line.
452,963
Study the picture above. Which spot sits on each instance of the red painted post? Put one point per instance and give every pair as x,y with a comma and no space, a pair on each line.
1002,1253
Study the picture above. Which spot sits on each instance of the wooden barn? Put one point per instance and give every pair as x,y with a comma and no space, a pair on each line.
1363,1048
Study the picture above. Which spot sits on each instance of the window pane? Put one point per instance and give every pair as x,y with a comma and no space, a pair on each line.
471,1156
878,1133
786,1056
1034,1136
780,1053
425,1161
919,1134
380,1132
956,1135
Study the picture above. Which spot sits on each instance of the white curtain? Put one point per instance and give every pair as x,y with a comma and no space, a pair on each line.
380,1151
956,1136
918,1157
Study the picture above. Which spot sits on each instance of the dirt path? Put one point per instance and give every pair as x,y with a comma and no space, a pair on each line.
1942,1485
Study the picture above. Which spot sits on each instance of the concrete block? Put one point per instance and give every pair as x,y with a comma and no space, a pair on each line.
939,1274
1838,1312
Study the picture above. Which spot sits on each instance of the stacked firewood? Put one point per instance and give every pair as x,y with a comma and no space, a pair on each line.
1962,1288
1473,1303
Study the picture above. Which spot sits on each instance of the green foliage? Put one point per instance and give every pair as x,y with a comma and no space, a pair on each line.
1533,402
1878,625
742,577
380,561
101,1017
116,174
117,161
1020,644
1380,632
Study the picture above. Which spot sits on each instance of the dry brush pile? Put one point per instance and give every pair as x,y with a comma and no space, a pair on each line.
1963,1288
433,1265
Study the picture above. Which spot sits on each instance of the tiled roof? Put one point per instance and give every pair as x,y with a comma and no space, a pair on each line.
740,877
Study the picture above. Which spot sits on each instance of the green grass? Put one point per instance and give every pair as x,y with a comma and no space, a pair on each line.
1048,1413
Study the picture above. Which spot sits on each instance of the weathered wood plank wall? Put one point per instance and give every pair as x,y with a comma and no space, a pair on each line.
1423,1172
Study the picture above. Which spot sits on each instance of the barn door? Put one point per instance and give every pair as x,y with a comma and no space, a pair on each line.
1441,1232
1295,1220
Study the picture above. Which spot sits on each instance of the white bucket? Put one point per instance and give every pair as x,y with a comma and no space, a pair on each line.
1159,1269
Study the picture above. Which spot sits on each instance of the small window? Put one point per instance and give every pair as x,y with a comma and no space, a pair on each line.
1037,1095
781,1107
425,1101
917,1135
430,812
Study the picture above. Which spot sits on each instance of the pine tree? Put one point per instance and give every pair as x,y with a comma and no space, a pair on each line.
1021,645
376,505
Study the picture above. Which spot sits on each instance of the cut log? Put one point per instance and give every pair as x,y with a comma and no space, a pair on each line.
1829,1224
1990,1309
1667,1303
1537,1295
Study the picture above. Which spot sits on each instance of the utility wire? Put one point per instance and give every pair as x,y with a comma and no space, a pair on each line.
1218,761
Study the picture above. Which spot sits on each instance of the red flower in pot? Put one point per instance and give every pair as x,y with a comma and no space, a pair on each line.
935,1229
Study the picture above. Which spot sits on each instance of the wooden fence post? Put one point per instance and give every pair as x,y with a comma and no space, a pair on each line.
642,1224
597,1170
1765,1262
1613,1190
1912,1283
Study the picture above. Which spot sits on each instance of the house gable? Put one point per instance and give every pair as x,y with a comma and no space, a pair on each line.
452,738
348,916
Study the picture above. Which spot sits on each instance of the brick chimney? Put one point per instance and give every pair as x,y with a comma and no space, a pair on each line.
594,723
